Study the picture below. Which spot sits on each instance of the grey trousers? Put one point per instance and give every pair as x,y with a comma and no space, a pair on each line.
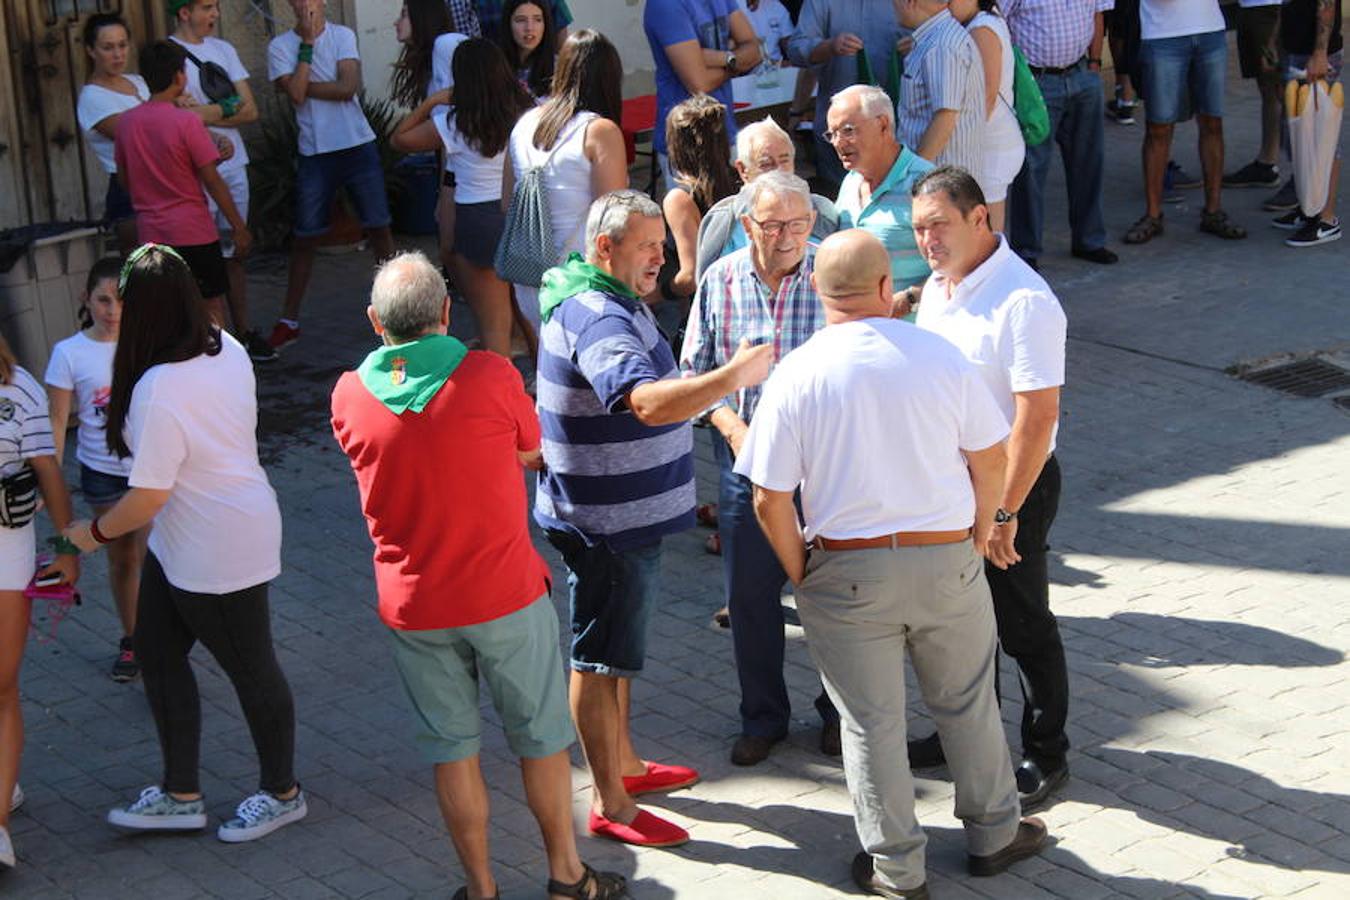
861,610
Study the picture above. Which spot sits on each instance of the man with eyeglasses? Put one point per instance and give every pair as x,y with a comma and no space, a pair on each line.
875,193
762,294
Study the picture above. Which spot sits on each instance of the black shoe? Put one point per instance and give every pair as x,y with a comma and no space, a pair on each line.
1181,178
1283,200
1030,839
1121,111
1253,174
1034,785
258,349
1315,231
1290,221
864,876
125,668
751,749
926,753
1096,254
830,742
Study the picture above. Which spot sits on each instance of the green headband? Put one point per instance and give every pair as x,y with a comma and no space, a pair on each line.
136,256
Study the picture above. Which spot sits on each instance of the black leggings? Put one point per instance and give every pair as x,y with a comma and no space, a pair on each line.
236,628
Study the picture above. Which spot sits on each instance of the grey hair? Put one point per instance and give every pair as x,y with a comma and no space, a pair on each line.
408,296
745,139
872,101
778,183
610,213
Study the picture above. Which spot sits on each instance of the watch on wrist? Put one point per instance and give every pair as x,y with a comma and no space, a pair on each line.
1003,517
731,62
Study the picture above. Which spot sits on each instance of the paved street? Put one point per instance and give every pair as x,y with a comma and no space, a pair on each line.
1201,574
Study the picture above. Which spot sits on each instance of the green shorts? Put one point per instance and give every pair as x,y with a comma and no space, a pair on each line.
519,659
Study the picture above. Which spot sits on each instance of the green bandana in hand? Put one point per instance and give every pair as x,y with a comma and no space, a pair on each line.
571,278
407,376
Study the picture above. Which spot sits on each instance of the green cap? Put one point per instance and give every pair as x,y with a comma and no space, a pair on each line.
176,5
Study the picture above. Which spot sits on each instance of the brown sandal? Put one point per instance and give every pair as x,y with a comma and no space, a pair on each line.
592,885
1217,223
1146,229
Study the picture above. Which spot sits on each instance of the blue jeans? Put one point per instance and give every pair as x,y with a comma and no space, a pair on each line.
318,178
1074,101
1178,68
754,582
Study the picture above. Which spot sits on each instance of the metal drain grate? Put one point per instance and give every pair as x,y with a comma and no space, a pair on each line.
1305,378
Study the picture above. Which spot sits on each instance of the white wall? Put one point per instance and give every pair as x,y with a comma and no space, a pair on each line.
619,20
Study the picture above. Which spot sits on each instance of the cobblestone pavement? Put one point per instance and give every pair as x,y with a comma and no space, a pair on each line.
1201,574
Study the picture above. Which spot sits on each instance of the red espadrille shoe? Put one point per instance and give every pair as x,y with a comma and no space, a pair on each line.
659,778
646,830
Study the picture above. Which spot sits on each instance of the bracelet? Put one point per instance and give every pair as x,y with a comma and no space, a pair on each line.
97,535
306,54
230,105
63,545
1094,61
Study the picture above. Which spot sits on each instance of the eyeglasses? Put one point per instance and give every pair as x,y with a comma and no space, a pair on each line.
774,227
842,133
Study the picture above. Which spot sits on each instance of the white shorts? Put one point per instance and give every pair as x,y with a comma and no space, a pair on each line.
18,554
236,179
1004,152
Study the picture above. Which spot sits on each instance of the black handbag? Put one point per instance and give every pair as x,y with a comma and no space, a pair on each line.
18,498
215,81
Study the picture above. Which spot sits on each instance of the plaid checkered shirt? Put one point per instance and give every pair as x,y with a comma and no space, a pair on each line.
1053,33
463,17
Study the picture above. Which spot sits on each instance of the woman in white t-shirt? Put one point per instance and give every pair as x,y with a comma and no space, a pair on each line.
1004,149
79,379
108,93
575,139
473,132
28,467
184,408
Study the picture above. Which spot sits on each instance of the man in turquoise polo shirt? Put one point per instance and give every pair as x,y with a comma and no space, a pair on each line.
875,193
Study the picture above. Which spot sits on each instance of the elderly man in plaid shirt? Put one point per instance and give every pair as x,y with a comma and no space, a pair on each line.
763,293
1062,40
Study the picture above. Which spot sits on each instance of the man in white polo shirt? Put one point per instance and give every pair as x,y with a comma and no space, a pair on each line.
195,31
892,565
1003,317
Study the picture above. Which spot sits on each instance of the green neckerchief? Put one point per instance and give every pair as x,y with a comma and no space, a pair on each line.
571,278
406,376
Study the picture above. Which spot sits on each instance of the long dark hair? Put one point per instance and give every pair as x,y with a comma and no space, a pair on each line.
107,267
589,78
539,65
696,139
412,72
488,99
164,320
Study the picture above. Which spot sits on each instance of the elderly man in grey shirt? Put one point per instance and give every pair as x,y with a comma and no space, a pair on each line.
942,102
829,35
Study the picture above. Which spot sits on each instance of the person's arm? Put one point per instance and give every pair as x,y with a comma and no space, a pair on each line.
777,516
1095,47
987,468
603,146
220,192
416,131
137,508
347,86
731,426
108,126
509,181
683,219
1318,66
57,500
247,112
58,410
991,57
937,135
672,400
1029,444
704,70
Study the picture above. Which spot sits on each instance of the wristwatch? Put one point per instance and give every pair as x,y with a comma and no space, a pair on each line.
1003,517
731,62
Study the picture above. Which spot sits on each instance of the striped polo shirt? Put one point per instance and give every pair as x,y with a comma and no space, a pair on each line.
887,215
608,478
944,71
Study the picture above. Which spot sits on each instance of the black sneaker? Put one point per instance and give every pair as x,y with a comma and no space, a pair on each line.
1314,232
1180,177
1121,111
259,350
1283,200
1290,221
125,668
1253,174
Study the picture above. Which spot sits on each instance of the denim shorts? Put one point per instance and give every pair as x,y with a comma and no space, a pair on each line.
1175,69
612,594
318,178
518,657
100,488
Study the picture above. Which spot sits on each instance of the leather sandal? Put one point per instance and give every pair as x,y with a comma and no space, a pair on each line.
1217,223
592,885
1146,229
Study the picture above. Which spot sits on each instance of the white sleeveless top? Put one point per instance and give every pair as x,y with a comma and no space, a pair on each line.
1002,122
566,175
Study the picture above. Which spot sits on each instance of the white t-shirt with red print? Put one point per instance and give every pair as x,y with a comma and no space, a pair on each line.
84,366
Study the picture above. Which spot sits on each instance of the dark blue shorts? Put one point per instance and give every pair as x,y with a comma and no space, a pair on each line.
100,488
612,594
117,202
318,178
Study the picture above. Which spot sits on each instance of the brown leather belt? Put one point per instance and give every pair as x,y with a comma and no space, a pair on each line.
899,539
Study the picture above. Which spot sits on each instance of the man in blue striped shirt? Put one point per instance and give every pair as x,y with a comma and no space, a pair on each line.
762,293
620,476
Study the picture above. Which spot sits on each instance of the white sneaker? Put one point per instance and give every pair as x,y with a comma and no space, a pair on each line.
16,799
6,849
155,810
260,815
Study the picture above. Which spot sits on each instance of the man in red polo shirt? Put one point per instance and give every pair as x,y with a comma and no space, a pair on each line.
437,436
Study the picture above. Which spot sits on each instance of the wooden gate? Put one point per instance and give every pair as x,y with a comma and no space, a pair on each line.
46,170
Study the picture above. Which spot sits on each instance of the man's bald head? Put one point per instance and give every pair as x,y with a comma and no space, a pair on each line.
853,276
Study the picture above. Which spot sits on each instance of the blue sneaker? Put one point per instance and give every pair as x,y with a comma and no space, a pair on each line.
155,810
260,815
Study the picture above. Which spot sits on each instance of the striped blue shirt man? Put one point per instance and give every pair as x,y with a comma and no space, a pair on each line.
944,72
609,478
